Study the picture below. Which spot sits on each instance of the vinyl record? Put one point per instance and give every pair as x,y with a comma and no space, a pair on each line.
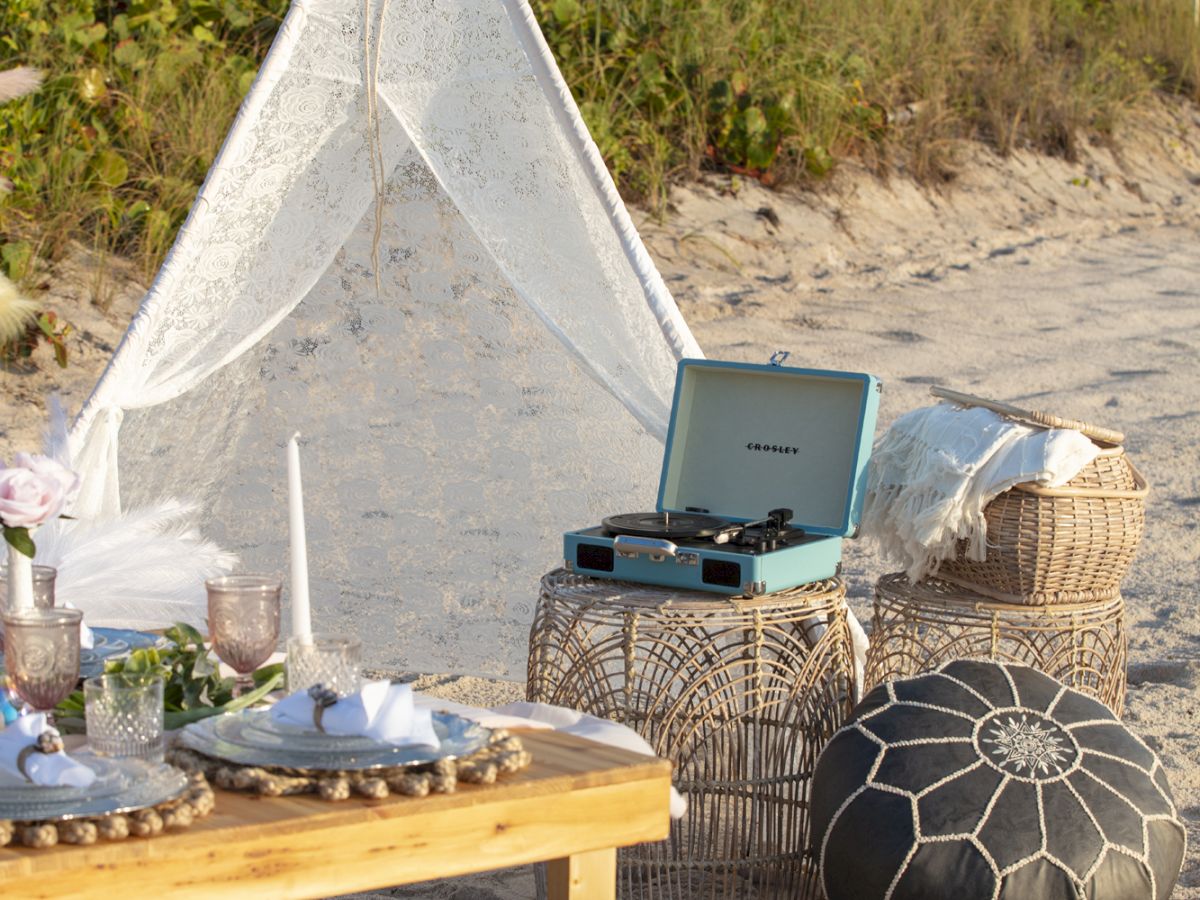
662,525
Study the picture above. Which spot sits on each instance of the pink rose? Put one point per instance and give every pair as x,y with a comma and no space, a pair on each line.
35,490
48,467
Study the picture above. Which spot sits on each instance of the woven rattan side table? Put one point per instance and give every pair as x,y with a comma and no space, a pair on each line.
740,694
916,627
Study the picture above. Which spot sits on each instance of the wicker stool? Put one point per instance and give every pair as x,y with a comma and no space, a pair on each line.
916,628
740,694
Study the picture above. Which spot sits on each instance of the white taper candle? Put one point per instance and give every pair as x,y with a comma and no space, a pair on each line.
20,579
301,611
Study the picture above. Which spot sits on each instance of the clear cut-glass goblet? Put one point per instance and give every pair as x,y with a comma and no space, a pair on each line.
243,622
41,655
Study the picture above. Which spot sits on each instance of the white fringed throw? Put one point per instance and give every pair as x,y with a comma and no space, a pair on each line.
936,469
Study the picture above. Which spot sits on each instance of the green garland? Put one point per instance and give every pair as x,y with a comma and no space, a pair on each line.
193,688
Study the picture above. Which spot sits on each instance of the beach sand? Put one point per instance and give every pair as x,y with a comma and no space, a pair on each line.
1068,287
1107,331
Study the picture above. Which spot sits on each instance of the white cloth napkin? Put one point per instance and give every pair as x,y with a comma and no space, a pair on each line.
582,725
381,710
87,639
936,468
47,769
860,644
488,718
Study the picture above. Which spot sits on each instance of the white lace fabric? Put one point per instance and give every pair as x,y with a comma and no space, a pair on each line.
461,406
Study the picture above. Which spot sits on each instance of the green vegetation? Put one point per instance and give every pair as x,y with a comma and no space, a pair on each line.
139,93
786,88
44,327
193,688
137,98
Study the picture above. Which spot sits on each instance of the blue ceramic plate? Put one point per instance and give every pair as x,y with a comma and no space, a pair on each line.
112,641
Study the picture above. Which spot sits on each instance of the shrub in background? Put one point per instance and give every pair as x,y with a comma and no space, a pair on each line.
140,93
784,89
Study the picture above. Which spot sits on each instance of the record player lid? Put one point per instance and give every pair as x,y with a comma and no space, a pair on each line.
745,439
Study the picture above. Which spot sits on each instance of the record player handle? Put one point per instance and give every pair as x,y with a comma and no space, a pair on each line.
626,543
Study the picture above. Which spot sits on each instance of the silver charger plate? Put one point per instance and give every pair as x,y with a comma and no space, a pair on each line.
121,785
252,738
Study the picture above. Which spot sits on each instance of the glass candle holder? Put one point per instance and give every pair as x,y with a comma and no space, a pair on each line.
43,587
41,655
328,659
43,590
243,622
124,713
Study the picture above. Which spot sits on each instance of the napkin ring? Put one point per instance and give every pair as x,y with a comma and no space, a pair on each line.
322,698
47,742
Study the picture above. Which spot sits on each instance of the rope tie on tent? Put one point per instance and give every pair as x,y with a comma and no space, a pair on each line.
374,141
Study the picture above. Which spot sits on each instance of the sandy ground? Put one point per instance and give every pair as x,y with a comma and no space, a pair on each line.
97,298
1073,288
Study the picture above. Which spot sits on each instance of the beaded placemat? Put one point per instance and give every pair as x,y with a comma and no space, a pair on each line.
195,802
504,755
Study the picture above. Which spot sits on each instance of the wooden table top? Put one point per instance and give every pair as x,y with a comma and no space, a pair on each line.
576,797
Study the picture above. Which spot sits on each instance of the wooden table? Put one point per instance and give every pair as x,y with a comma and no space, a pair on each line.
573,807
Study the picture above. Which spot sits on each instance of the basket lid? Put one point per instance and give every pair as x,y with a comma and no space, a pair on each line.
1031,416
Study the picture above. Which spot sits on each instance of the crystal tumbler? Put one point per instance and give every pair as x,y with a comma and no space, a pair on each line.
329,660
124,713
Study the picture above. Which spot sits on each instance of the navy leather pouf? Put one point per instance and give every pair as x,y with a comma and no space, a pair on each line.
989,780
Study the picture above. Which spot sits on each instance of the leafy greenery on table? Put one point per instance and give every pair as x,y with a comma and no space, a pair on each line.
193,688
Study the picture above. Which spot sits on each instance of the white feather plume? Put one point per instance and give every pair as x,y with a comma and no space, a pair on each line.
143,569
19,81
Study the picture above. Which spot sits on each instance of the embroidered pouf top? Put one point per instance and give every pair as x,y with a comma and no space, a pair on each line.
989,780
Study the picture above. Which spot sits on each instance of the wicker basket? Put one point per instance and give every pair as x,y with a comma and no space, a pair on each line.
916,627
1047,545
740,694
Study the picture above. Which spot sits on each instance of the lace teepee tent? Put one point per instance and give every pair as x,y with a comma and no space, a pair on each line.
410,251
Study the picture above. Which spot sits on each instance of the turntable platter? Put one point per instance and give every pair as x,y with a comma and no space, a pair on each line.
664,525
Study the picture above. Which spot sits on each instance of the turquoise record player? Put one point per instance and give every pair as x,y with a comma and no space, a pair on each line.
763,476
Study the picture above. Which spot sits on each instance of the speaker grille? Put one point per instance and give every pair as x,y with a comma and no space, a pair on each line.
722,573
594,557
